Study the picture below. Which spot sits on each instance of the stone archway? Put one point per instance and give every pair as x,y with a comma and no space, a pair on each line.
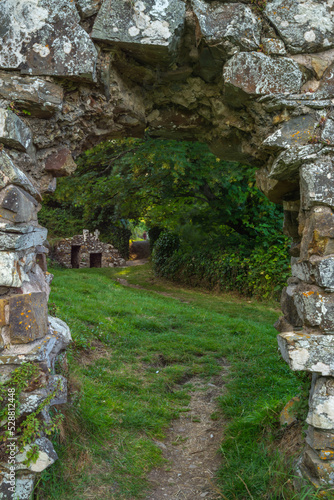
254,79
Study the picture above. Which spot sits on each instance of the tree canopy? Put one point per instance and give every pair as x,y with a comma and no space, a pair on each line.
181,186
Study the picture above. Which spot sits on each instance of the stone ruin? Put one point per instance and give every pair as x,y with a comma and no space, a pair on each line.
254,79
86,250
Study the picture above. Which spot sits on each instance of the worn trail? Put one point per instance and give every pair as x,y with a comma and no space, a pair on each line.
191,448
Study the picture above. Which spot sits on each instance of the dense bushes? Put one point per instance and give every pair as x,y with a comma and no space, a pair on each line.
262,272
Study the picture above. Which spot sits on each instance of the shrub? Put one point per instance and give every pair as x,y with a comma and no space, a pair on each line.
166,245
262,273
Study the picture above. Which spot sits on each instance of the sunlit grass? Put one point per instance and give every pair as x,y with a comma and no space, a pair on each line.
127,390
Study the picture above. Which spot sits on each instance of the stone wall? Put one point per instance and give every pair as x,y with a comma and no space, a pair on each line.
256,84
86,245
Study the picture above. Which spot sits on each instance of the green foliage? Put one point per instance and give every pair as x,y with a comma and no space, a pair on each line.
31,426
153,234
227,229
253,274
166,245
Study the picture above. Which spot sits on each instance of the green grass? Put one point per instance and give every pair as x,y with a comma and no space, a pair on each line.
124,392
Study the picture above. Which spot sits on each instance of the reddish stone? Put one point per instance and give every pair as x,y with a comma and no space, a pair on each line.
28,317
61,163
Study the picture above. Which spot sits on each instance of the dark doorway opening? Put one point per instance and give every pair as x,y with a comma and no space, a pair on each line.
75,254
95,260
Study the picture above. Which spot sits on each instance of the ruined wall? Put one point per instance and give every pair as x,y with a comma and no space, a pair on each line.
88,244
254,79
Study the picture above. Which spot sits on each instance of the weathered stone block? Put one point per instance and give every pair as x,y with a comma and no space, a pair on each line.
288,306
273,47
255,74
10,174
45,38
317,183
326,87
24,485
296,132
60,163
14,132
308,352
320,440
38,351
30,401
149,29
21,237
286,166
319,271
37,281
274,190
321,412
327,134
12,271
88,8
315,307
319,472
28,317
46,456
318,234
40,98
3,316
232,26
61,330
17,205
305,25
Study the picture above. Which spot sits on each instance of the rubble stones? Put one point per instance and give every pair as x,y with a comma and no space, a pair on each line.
149,29
308,352
87,244
10,174
256,74
230,26
34,95
45,38
28,317
14,132
304,25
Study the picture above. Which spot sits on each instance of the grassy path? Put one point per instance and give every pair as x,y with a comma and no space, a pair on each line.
132,356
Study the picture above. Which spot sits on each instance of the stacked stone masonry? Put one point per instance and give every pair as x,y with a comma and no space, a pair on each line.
256,84
86,250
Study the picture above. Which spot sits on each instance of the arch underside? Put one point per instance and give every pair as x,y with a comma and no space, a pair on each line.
254,81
